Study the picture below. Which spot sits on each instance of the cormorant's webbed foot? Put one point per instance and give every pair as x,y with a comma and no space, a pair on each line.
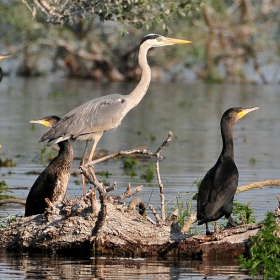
230,219
208,232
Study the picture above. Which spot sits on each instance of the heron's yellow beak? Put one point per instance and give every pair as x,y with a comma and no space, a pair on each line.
3,56
174,41
244,112
42,122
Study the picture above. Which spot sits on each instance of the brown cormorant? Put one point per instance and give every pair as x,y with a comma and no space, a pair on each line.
53,181
218,187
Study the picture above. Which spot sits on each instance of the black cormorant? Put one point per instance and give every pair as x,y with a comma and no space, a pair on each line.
53,181
218,187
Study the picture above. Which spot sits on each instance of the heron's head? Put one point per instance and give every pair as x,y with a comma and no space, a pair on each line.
47,121
155,40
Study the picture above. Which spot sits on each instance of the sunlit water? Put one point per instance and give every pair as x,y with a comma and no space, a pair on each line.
192,111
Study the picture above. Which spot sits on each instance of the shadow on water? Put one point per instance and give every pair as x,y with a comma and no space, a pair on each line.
192,111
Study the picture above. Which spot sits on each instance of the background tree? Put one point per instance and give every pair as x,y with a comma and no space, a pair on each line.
233,41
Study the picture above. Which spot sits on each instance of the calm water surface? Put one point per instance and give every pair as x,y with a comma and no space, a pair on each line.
192,111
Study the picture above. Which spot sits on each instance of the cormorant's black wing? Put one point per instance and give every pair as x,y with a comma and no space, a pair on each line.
1,74
205,190
224,187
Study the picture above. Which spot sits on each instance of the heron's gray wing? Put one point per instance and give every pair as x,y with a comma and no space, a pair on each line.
97,115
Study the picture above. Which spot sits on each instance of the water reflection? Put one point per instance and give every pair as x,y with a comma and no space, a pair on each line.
52,266
192,111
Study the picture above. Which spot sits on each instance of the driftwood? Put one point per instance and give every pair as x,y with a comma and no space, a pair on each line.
12,200
107,226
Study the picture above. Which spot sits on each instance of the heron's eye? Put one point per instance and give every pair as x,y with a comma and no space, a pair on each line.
159,39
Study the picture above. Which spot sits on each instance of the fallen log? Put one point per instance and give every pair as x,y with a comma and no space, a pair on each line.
107,226
124,233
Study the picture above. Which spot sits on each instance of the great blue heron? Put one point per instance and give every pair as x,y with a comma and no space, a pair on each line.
90,120
53,181
3,56
218,187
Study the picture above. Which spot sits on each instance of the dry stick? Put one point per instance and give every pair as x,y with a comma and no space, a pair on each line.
103,200
95,182
159,221
12,200
93,202
172,218
122,153
161,191
260,185
112,188
187,224
129,192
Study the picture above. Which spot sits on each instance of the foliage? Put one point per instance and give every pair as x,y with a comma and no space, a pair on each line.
139,13
148,176
184,206
4,189
242,213
129,166
8,220
264,256
8,162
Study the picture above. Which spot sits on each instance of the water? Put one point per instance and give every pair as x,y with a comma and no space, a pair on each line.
192,111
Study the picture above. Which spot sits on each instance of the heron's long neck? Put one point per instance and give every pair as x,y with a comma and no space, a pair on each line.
138,93
227,132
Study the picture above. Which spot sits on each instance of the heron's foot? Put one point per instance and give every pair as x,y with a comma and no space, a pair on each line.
208,232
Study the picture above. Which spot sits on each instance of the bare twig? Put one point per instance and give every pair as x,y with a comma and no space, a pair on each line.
260,185
121,153
112,188
137,202
161,190
188,224
103,200
129,192
12,200
164,144
29,8
158,219
51,14
93,201
172,218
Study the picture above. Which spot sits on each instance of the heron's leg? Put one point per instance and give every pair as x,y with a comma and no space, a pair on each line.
96,139
82,162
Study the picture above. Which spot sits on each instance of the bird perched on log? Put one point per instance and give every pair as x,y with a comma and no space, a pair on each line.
90,120
53,181
3,56
218,187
